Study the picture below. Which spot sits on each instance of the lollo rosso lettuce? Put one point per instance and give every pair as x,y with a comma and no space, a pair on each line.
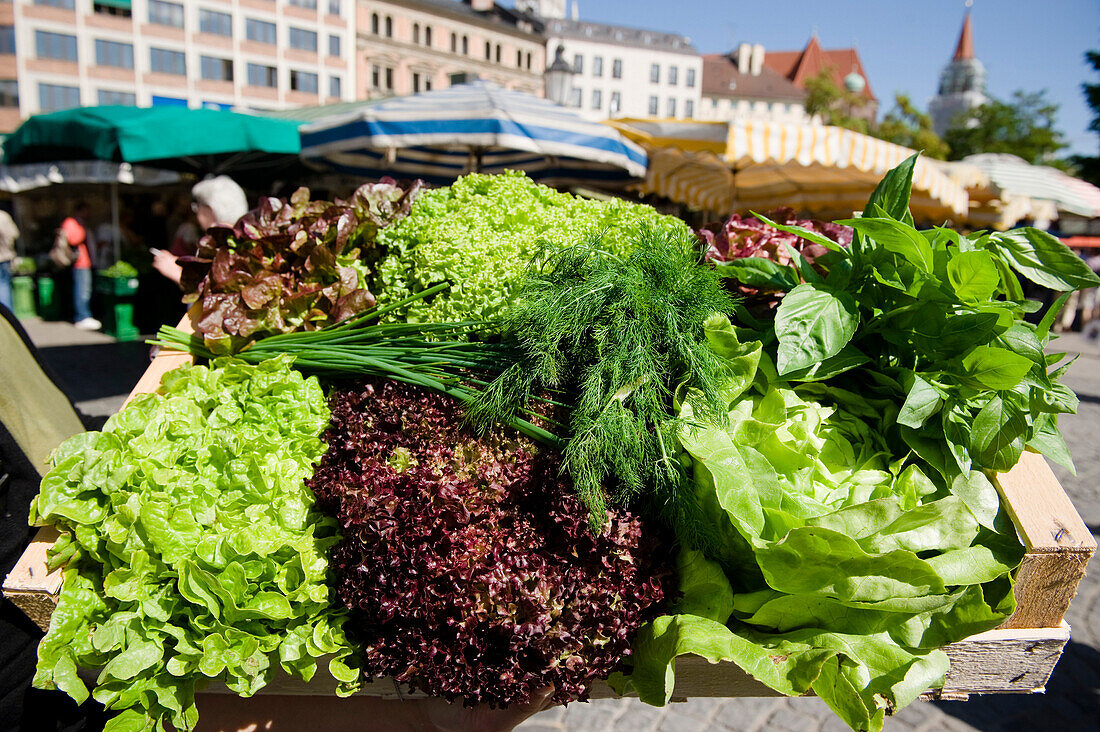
191,547
845,570
290,265
467,563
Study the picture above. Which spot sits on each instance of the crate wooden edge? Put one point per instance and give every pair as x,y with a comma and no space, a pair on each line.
1000,661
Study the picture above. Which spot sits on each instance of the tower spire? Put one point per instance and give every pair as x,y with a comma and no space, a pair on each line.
965,49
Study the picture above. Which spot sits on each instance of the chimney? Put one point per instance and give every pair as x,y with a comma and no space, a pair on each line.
756,61
576,14
482,6
744,53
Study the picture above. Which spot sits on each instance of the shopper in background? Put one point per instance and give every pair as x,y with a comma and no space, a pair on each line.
75,229
216,201
9,232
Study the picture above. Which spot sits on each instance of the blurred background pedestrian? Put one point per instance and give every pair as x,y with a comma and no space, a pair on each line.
9,232
216,200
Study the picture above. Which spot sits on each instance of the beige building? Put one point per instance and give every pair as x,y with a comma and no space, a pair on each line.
410,46
260,54
739,86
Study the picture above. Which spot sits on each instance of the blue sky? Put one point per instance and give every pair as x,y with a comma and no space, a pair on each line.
904,44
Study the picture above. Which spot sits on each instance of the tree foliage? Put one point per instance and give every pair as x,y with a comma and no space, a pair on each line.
1088,166
1023,127
908,126
835,105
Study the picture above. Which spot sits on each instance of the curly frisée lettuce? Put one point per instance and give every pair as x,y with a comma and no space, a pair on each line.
191,547
845,570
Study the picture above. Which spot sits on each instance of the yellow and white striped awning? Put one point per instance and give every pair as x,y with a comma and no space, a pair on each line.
825,170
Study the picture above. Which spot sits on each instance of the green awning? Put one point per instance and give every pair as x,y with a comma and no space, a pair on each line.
168,136
120,4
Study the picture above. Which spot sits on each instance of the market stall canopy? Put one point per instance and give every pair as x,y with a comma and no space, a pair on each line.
29,176
753,165
1012,175
193,140
480,126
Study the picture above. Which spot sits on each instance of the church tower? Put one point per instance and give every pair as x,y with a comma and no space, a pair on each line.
962,83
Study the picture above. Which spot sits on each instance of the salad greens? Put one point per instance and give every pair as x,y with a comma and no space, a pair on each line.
480,233
191,547
844,568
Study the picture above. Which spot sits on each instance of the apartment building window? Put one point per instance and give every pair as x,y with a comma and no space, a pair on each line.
110,96
428,36
162,13
488,51
616,103
575,97
260,31
66,4
389,78
416,33
9,93
334,9
465,46
416,82
389,27
334,46
528,59
671,108
498,53
689,108
262,75
303,81
163,61
307,4
55,45
334,87
375,77
454,43
53,97
673,72
7,40
578,63
374,23
215,23
654,73
519,59
689,82
597,99
111,53
617,69
303,40
216,69
653,106
597,66
111,8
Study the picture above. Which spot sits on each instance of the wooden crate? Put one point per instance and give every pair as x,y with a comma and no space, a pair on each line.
1017,657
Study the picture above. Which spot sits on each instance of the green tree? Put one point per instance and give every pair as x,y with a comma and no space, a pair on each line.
1023,127
835,105
908,126
1088,166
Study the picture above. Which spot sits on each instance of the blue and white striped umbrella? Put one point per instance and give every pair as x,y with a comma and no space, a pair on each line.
480,126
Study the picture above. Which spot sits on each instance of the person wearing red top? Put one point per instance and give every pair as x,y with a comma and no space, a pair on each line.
76,231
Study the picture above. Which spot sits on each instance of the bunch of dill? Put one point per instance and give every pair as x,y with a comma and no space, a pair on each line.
617,335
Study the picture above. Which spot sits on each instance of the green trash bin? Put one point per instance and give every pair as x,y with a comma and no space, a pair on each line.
118,306
22,297
49,304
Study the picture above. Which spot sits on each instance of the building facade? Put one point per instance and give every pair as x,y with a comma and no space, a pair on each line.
841,65
962,83
410,46
628,72
251,54
739,86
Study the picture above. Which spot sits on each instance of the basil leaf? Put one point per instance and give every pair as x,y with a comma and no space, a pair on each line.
896,237
993,368
812,323
849,358
922,401
893,191
973,275
1044,259
759,272
803,233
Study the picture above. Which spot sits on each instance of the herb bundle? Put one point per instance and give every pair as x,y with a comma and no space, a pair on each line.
619,335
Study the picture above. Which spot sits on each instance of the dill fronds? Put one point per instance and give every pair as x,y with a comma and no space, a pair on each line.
619,334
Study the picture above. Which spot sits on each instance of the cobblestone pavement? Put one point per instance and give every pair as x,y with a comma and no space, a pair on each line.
1073,693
